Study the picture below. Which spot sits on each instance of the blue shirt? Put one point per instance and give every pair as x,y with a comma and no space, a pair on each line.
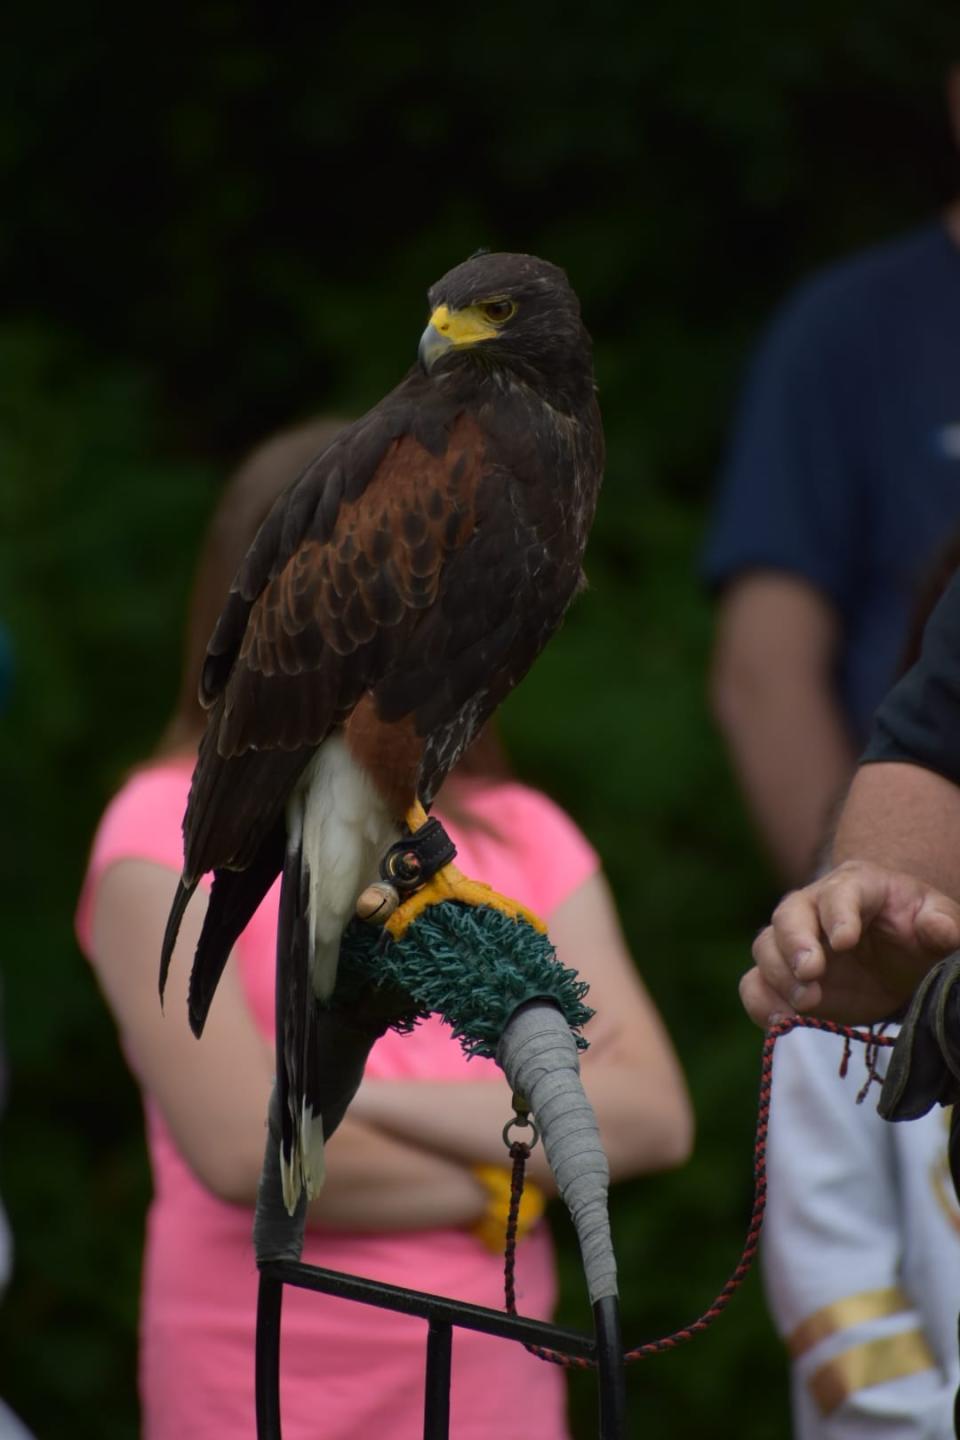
845,464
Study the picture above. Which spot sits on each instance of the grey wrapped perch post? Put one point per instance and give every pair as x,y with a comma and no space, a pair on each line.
538,1055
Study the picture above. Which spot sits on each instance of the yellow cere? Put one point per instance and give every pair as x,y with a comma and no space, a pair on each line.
463,327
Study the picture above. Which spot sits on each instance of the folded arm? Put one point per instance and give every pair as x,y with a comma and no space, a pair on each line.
213,1093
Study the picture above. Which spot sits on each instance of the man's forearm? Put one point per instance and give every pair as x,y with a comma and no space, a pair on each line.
793,758
773,694
905,818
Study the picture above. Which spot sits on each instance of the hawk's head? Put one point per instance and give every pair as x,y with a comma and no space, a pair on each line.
513,313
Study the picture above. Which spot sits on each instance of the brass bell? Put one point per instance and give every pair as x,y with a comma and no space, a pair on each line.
377,903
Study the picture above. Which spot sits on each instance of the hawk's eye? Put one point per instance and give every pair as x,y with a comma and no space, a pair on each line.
498,312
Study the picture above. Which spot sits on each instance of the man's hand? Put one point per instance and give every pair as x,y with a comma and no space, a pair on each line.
850,947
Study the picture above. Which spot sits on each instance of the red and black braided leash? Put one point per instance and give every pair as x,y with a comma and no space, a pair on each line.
519,1151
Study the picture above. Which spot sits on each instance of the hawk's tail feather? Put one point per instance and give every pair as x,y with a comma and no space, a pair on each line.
312,1130
174,920
301,1129
234,897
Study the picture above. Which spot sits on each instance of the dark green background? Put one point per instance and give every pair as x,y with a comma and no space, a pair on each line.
219,218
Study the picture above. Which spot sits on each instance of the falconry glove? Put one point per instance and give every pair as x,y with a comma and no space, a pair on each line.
924,1065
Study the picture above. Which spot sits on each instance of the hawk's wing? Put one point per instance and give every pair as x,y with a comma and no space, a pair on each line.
403,591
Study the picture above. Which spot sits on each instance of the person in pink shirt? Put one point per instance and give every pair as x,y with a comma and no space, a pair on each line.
413,1194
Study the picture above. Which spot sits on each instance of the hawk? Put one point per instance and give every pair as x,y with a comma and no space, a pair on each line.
395,594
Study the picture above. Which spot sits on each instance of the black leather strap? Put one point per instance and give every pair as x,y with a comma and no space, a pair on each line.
411,862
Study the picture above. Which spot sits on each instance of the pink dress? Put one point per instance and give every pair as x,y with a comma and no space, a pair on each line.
348,1372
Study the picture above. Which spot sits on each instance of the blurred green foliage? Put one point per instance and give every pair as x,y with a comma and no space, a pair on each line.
223,217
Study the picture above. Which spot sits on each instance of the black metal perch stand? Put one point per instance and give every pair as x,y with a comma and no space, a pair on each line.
442,1317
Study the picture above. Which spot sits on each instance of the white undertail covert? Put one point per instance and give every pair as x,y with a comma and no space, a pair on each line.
346,829
344,826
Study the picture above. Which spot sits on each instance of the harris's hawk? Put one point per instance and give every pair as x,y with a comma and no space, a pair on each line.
393,597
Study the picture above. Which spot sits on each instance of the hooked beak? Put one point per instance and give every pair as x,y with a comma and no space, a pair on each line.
432,345
453,328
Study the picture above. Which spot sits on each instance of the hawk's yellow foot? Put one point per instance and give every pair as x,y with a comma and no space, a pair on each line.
449,883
